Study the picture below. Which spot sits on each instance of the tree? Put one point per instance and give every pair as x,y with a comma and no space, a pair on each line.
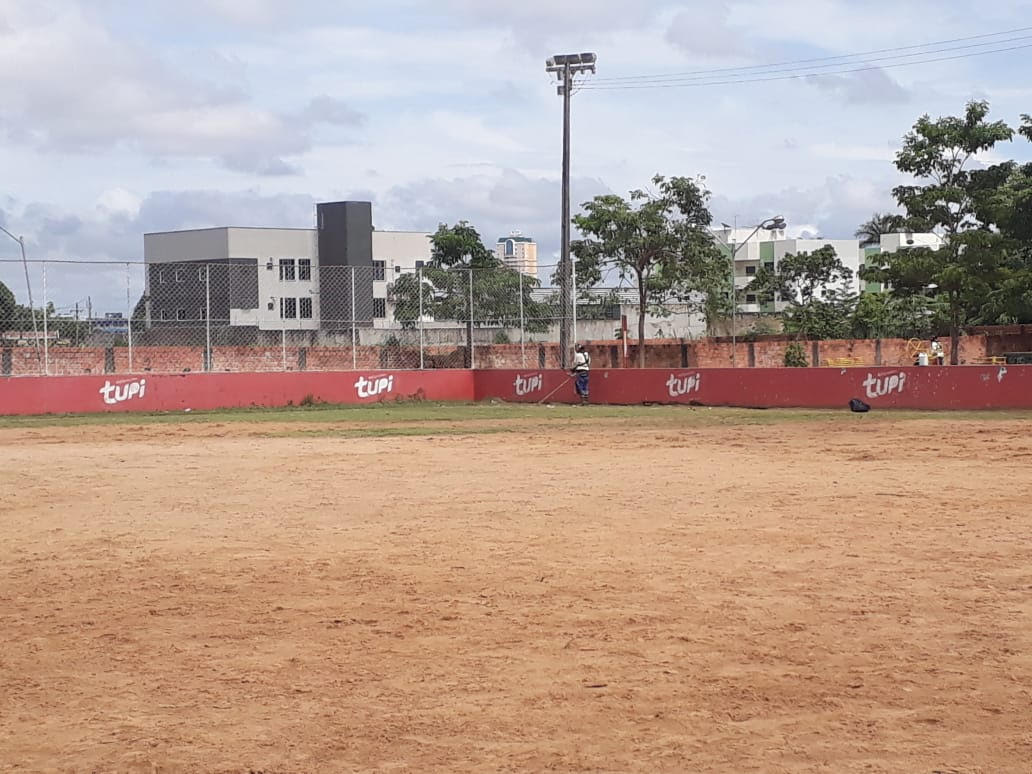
884,315
456,251
939,153
814,285
947,196
8,307
657,239
870,232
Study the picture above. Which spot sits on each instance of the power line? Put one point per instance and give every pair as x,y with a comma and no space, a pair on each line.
810,69
680,84
745,69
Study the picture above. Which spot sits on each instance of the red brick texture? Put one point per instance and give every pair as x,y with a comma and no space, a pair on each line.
768,352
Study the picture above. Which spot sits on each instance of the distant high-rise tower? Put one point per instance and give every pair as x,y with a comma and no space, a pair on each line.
518,252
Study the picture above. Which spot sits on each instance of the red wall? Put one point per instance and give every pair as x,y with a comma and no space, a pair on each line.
161,392
963,387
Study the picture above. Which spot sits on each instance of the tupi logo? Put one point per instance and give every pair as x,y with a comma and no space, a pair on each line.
378,385
119,393
877,387
683,384
527,384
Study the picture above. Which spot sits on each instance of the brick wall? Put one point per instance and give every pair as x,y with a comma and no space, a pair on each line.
768,352
64,361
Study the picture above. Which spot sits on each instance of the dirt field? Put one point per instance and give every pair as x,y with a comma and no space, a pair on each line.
523,590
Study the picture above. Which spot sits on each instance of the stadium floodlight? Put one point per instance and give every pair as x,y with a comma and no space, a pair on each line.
565,67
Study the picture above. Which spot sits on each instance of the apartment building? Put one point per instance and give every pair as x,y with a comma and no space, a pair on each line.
332,277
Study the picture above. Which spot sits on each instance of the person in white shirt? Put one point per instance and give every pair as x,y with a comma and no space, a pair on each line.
581,370
937,351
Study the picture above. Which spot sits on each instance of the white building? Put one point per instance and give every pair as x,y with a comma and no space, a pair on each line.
395,253
768,248
273,279
260,277
518,252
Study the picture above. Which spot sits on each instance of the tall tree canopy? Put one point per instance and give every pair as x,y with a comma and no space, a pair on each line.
457,252
870,232
974,272
656,239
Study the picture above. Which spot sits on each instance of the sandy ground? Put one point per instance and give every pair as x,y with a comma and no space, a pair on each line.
829,596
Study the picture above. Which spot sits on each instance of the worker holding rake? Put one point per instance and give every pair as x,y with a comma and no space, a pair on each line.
581,371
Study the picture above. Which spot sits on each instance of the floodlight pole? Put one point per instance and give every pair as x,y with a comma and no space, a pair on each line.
565,67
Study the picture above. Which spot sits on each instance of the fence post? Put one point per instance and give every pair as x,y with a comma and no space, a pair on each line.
354,325
129,313
207,316
573,292
472,363
46,337
419,286
523,337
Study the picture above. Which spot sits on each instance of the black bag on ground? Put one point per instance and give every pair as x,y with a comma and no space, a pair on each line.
858,406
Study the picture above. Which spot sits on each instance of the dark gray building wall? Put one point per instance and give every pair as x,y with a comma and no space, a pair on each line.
345,240
233,285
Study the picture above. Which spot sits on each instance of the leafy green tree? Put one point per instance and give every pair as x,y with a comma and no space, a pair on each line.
814,286
8,308
949,196
870,232
886,316
939,154
655,239
456,251
795,356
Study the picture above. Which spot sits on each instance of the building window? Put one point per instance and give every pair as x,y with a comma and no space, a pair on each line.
288,308
379,308
179,276
163,315
420,265
200,313
201,274
769,265
750,298
510,248
750,270
379,270
161,277
286,270
180,314
305,308
304,269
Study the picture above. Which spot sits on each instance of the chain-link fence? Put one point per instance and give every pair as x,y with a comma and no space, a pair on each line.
289,314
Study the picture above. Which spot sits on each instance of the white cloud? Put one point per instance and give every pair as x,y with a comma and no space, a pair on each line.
471,130
71,86
868,87
705,30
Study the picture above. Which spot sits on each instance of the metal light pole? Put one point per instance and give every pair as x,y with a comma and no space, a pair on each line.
28,288
770,224
565,67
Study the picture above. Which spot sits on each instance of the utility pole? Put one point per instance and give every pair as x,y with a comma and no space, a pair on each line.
76,323
565,67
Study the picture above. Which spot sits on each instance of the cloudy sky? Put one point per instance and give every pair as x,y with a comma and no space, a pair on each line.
120,118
